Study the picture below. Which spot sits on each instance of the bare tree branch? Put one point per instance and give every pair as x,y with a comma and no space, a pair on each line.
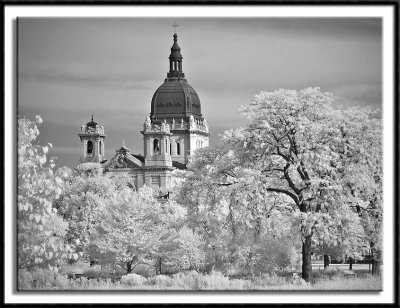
286,192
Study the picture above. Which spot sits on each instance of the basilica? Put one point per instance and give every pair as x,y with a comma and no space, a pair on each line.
173,130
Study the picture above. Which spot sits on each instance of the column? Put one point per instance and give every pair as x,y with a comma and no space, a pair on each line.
84,148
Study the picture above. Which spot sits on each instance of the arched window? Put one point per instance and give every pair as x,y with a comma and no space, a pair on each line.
170,148
100,148
178,148
90,147
156,146
166,146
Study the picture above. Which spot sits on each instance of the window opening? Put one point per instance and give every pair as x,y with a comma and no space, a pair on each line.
90,147
156,146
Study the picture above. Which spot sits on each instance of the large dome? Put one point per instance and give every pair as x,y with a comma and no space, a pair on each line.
175,98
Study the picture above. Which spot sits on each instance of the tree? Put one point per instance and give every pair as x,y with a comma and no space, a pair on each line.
361,177
240,223
133,227
111,223
184,250
294,151
40,229
364,177
85,189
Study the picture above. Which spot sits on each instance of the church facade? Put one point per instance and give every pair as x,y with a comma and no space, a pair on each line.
174,129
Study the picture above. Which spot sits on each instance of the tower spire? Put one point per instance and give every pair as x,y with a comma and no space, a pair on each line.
175,59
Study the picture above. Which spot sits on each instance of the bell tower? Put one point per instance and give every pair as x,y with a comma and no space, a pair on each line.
92,138
157,153
157,144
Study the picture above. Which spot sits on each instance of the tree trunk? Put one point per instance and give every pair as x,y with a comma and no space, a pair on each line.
306,254
327,261
129,267
350,263
159,265
376,267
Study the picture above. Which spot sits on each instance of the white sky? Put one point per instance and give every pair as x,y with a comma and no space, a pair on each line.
69,69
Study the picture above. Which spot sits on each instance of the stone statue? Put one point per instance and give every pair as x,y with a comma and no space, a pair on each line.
191,122
205,125
147,123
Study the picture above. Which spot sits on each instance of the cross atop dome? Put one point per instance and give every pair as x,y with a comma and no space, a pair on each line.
175,25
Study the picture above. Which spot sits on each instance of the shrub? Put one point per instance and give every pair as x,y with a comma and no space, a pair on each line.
25,280
268,280
133,280
95,284
332,271
240,284
186,280
78,267
41,279
297,280
144,270
161,281
339,283
93,273
215,280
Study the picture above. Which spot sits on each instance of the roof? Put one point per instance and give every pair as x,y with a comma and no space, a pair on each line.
91,123
178,165
124,159
138,157
175,97
175,49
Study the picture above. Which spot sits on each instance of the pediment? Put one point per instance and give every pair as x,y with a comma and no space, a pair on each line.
123,160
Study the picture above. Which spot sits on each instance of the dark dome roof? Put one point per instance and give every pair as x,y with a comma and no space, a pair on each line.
175,98
91,123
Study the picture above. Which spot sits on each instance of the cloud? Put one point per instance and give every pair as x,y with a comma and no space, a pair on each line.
85,76
61,150
358,94
69,69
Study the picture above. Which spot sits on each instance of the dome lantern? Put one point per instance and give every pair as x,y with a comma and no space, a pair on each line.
175,60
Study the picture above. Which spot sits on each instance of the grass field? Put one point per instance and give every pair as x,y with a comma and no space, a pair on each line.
321,280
